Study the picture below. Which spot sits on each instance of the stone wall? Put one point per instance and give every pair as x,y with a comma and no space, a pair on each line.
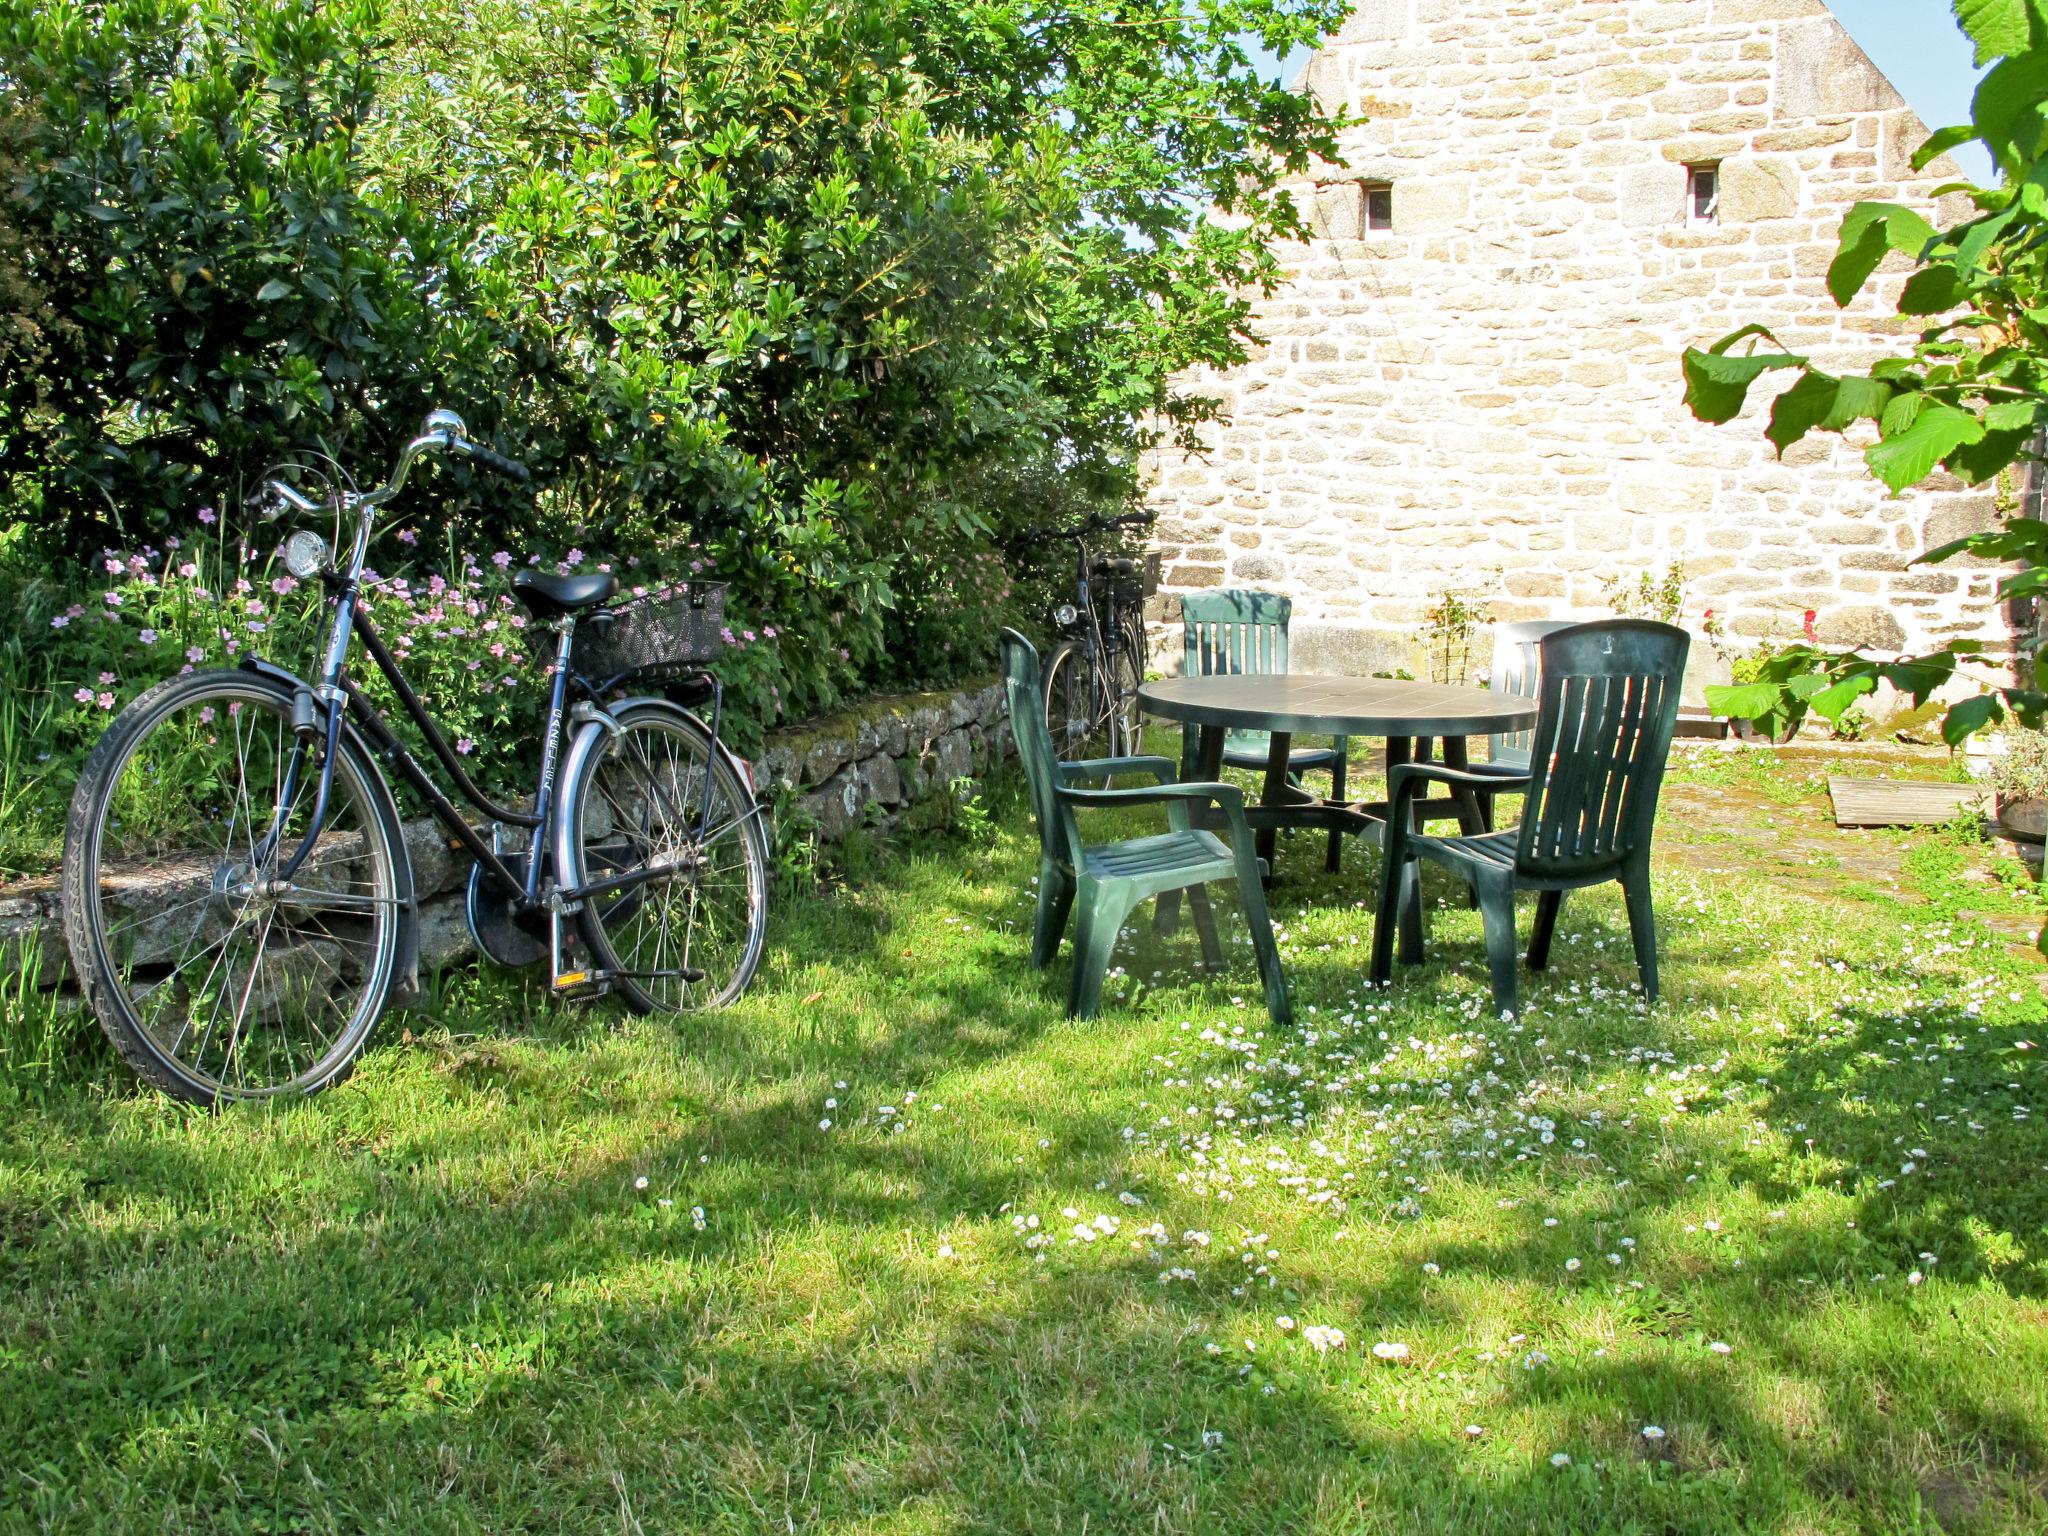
887,755
1487,397
890,753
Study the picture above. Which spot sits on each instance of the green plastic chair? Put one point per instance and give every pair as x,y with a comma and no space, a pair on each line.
1104,881
1243,632
1607,707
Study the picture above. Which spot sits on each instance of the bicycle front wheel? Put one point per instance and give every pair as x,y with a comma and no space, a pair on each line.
1080,706
657,796
214,975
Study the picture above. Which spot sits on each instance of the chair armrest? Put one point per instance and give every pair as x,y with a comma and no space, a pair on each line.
1177,798
1161,768
1405,780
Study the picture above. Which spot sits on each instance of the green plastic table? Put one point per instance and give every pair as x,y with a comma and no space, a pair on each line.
1406,715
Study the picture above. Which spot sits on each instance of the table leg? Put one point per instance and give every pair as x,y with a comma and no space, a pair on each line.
1268,838
1471,817
1201,761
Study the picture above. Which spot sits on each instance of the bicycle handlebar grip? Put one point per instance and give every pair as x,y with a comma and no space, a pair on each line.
511,469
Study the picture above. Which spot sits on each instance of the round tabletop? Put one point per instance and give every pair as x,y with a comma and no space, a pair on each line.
1301,705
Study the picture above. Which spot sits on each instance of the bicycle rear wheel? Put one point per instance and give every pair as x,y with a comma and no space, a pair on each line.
213,976
657,794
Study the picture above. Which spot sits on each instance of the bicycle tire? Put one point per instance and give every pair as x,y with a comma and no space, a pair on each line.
311,959
608,831
1078,711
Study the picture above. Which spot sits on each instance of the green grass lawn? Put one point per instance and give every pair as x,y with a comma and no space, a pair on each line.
894,1247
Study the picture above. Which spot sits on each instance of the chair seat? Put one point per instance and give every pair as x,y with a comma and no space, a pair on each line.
1254,749
1200,855
1503,767
1492,850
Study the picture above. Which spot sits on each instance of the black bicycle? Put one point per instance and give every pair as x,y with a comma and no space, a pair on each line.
239,894
1092,678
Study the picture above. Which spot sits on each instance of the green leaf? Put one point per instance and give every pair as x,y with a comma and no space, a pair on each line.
1932,291
1857,399
1857,259
1797,411
2005,99
1832,702
2002,28
1979,461
1969,717
1717,384
1909,457
272,291
1940,143
1743,701
1869,232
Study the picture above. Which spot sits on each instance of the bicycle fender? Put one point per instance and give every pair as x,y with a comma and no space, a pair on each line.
610,718
405,973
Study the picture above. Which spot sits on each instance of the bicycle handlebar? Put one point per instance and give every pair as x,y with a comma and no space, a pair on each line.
442,432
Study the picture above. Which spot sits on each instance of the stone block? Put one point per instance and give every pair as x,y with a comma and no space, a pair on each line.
1625,81
1337,211
1755,187
1651,195
1868,626
1822,73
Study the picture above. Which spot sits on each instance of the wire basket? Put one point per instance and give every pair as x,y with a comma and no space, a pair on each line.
674,629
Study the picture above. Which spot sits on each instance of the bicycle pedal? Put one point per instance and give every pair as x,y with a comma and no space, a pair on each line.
582,986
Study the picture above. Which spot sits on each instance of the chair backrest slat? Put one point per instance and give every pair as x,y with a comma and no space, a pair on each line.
1608,705
1235,632
1518,669
1059,835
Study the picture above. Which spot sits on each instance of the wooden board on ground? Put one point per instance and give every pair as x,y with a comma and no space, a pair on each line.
1903,802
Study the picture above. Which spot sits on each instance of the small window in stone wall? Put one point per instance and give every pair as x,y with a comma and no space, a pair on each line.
1379,205
1703,194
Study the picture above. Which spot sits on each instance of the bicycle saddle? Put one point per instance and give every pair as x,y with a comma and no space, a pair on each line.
548,597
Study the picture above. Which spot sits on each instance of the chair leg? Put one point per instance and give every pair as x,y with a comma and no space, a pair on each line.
1547,904
1205,926
1101,918
1055,901
1497,913
1252,891
1166,914
1642,927
1333,859
1411,913
1395,867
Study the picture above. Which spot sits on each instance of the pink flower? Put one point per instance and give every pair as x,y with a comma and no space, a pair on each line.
573,558
174,542
206,516
147,637
501,559
283,584
106,678
1807,625
105,701
206,715
749,635
188,570
194,653
60,621
113,565
84,695
113,599
407,536
464,745
726,635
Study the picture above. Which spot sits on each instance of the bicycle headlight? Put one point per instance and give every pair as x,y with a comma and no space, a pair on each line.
1065,614
305,554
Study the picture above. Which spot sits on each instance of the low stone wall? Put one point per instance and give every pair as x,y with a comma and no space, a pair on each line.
878,759
886,755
